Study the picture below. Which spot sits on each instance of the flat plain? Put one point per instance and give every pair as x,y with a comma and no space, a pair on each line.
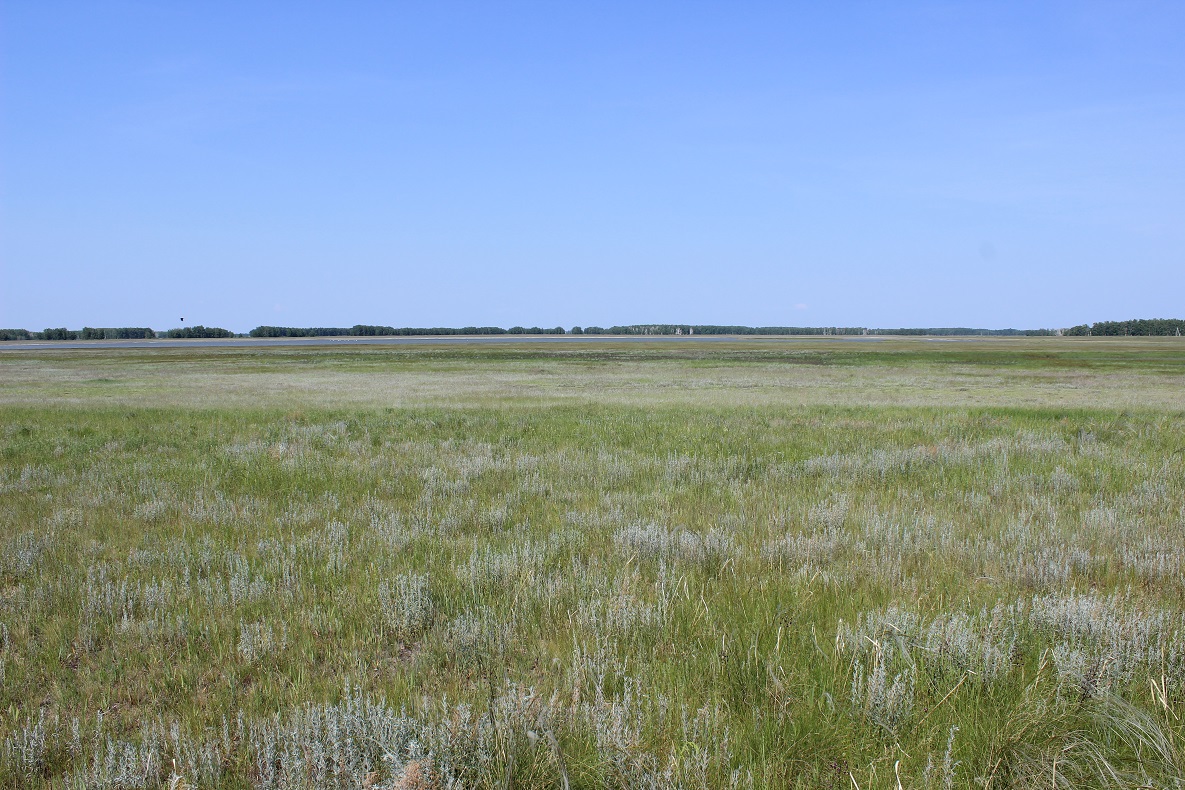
769,563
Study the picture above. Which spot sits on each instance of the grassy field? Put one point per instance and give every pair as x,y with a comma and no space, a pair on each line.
782,563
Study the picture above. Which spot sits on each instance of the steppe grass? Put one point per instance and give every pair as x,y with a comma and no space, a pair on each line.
675,568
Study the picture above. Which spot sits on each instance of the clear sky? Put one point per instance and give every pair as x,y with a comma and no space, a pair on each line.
820,163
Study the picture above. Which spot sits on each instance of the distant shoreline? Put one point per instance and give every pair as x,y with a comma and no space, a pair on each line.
395,340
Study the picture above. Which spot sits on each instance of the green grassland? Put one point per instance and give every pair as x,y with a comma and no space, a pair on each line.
770,563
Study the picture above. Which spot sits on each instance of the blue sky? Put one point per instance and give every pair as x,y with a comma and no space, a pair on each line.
852,163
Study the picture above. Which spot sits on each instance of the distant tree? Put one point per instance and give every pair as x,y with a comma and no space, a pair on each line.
199,331
116,333
61,333
517,330
577,330
1138,327
1141,327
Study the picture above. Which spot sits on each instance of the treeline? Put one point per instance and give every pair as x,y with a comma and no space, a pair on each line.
199,331
714,329
1138,326
368,330
86,333
963,330
113,333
